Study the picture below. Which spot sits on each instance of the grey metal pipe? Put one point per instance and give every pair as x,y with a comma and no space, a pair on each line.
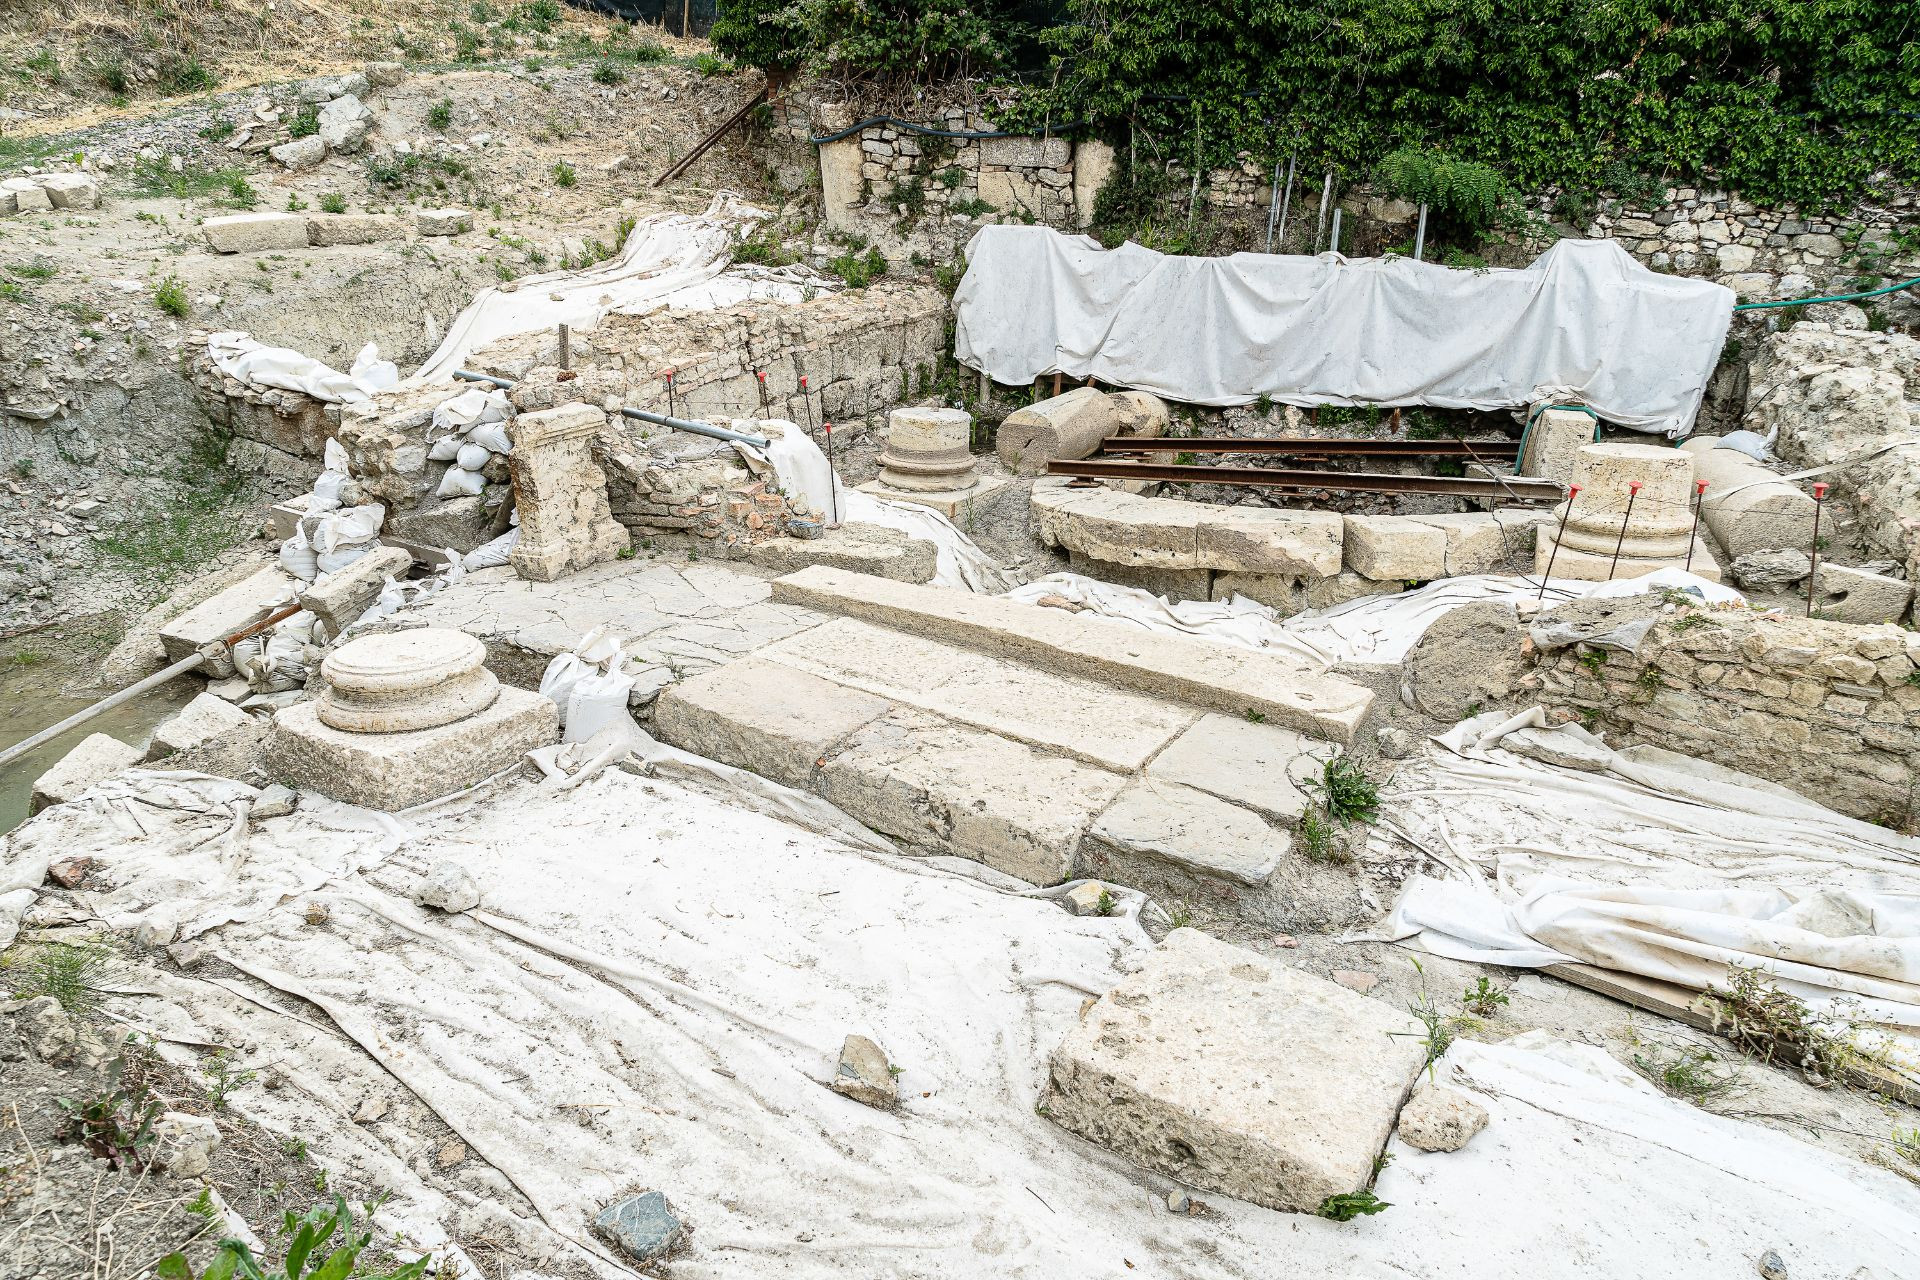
1420,234
78,718
641,415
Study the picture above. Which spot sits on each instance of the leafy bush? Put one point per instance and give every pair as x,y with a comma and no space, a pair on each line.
333,202
1472,195
859,269
440,115
307,1257
305,122
170,295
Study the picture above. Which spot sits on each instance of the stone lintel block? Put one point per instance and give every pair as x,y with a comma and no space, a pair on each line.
97,757
254,232
1177,843
1235,1074
327,229
339,598
391,771
1294,544
1256,765
758,715
220,615
1395,547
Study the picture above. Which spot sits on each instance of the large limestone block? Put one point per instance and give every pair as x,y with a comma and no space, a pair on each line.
344,123
758,715
1748,507
1256,765
1843,594
1554,442
339,598
327,229
1395,547
255,232
566,522
1499,541
942,786
1140,413
205,718
1235,1074
96,757
301,153
1067,426
842,186
1177,843
860,548
1270,540
219,616
1074,716
1094,163
442,222
1026,153
1121,528
391,771
23,195
70,190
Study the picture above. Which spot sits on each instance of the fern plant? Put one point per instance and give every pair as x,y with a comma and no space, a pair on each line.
1474,195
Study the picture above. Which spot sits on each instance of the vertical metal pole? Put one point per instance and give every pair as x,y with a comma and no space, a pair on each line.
670,412
1286,203
833,480
1699,492
1334,241
1273,201
1420,234
807,404
1573,491
1320,219
760,377
1633,492
1813,569
566,349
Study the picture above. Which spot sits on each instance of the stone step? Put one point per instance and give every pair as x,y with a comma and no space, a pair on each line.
1276,688
218,616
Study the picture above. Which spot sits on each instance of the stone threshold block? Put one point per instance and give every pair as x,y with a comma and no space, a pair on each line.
1234,1074
95,759
954,504
390,771
1591,566
566,522
219,616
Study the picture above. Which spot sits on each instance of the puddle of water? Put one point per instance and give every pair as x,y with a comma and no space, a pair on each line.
30,700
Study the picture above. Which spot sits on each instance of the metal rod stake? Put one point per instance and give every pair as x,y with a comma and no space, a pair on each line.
1573,491
1633,492
1699,494
1813,567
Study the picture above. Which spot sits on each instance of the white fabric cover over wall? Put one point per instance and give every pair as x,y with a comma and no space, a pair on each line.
1584,322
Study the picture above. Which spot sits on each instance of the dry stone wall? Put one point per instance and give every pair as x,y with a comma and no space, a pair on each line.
1826,708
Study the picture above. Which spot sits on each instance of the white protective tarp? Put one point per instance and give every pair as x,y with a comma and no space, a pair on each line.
243,359
653,993
1584,322
668,260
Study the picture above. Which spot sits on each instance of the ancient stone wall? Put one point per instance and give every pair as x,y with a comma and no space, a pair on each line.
1826,708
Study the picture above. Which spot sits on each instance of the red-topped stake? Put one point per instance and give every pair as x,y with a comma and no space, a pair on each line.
1573,491
765,413
1813,567
1633,492
669,381
807,404
833,481
1699,491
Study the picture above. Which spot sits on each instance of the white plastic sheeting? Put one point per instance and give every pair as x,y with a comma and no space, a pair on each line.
669,260
1584,322
241,358
1656,864
653,992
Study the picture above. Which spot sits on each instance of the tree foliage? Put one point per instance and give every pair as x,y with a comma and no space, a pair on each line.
878,45
1806,100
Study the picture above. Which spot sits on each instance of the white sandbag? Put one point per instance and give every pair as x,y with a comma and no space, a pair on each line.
460,483
490,555
346,527
445,449
372,373
462,411
327,486
297,557
597,651
597,701
342,556
491,436
472,457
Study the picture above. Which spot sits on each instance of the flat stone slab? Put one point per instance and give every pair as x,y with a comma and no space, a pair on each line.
1280,688
1250,764
764,717
220,615
1075,717
954,504
1163,837
1234,1074
96,757
205,718
858,548
1395,547
1117,527
254,232
391,771
958,790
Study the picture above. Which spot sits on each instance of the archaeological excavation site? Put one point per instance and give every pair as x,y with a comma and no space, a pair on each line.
1061,639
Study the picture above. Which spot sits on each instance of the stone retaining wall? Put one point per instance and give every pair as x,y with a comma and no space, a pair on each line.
1829,709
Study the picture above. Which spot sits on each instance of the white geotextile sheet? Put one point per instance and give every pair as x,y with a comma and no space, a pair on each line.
1584,322
243,359
669,259
653,993
802,469
1654,864
1375,629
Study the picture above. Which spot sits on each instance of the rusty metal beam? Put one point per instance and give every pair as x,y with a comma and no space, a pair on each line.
1307,446
1274,478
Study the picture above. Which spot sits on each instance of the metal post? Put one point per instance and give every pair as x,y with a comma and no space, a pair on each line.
1334,240
1633,492
566,349
1320,219
1813,568
1274,205
1573,491
806,403
1699,494
761,378
670,412
833,480
1420,233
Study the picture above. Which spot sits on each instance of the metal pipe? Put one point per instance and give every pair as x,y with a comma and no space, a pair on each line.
1320,219
1286,203
132,691
1420,233
1310,446
641,415
1813,561
1333,241
1699,496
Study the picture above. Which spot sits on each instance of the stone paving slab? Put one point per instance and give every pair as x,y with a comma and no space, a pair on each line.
1280,688
1232,1073
764,717
220,615
1079,718
1256,765
1166,838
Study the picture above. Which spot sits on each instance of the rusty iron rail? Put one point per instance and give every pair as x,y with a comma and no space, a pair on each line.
706,144
1307,446
1274,478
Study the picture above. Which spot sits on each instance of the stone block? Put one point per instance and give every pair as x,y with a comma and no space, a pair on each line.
1499,541
764,717
339,598
1554,442
254,232
391,771
1387,548
458,523
1285,596
1026,153
1235,1074
842,184
1270,540
220,615
328,229
1168,584
1256,765
301,153
1121,528
1094,163
70,190
343,124
384,75
864,1074
205,718
643,1226
956,505
856,547
1065,427
1176,843
442,222
1845,594
566,523
975,795
24,195
95,758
